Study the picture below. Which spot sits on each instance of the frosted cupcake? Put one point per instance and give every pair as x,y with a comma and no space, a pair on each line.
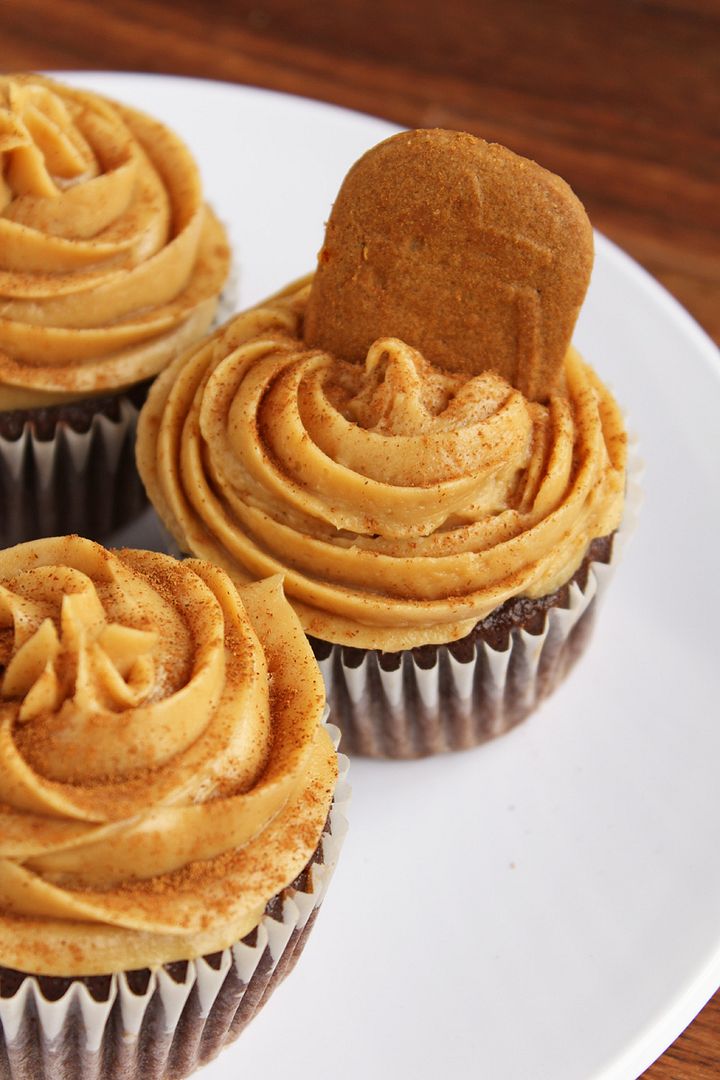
167,823
111,264
411,439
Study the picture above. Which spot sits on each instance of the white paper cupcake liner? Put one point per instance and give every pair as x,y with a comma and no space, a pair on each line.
426,707
182,1015
75,482
415,710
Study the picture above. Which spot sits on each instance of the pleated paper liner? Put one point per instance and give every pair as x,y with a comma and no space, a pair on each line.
82,479
164,1024
453,697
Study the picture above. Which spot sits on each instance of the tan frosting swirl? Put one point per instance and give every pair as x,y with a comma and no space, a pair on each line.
403,503
163,771
110,262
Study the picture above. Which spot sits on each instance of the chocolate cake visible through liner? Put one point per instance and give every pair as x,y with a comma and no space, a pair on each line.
157,1054
70,468
374,726
78,415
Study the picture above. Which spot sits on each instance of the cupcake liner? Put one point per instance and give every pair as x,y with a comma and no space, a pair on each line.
75,482
413,710
405,706
164,1024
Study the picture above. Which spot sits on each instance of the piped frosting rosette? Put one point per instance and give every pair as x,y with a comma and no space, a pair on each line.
163,769
110,261
403,503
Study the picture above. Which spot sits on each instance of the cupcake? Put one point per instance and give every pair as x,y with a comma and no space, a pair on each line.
410,437
169,817
111,265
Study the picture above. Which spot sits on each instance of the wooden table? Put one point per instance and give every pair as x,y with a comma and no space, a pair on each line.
621,97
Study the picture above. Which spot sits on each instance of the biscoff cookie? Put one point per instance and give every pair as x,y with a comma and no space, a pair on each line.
477,257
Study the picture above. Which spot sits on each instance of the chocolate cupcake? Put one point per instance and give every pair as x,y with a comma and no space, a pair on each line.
412,440
111,265
169,818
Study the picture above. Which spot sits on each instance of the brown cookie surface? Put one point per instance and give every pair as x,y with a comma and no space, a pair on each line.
477,257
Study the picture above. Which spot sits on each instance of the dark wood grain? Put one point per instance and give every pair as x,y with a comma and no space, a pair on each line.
621,97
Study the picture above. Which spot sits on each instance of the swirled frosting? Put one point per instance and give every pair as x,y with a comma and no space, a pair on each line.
163,771
403,503
110,262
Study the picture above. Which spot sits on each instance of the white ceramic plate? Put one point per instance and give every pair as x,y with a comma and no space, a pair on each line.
546,907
